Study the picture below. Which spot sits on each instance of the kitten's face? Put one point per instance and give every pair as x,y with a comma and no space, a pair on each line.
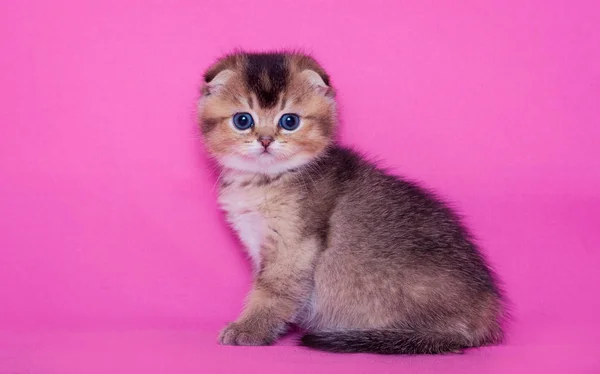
266,113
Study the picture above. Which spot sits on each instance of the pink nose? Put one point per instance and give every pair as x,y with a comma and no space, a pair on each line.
265,140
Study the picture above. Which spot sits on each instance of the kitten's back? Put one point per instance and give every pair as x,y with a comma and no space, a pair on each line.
395,256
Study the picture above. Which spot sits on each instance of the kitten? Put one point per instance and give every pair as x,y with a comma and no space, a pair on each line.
362,260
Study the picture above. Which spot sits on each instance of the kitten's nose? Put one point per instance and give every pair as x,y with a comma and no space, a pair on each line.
265,140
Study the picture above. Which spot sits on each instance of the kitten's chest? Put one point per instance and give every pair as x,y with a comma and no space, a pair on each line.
252,212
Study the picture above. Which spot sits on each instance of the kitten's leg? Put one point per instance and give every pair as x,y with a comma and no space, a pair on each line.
281,287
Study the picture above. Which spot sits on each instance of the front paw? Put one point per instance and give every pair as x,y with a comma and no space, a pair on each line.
244,333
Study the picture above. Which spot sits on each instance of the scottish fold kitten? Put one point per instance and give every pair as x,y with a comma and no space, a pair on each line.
361,260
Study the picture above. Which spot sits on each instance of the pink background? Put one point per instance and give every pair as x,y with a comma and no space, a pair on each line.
114,257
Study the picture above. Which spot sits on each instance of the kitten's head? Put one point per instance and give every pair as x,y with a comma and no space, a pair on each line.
266,112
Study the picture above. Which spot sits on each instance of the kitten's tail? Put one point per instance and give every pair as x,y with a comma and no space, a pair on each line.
386,342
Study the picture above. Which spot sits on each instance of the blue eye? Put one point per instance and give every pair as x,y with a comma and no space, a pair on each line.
243,121
289,122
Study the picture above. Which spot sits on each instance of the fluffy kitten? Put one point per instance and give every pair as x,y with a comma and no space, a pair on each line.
362,260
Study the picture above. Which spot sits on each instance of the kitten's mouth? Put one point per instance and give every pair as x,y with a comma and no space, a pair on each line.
266,157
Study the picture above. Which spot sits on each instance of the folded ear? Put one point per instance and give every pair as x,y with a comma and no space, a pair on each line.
317,82
217,83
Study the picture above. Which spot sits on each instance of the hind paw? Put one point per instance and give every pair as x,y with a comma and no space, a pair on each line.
240,333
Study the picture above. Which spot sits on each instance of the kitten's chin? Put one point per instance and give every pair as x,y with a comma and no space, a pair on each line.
264,164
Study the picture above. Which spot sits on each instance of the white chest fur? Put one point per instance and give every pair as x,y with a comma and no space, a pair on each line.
245,207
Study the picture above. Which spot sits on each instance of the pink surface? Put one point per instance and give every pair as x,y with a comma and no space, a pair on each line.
114,258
